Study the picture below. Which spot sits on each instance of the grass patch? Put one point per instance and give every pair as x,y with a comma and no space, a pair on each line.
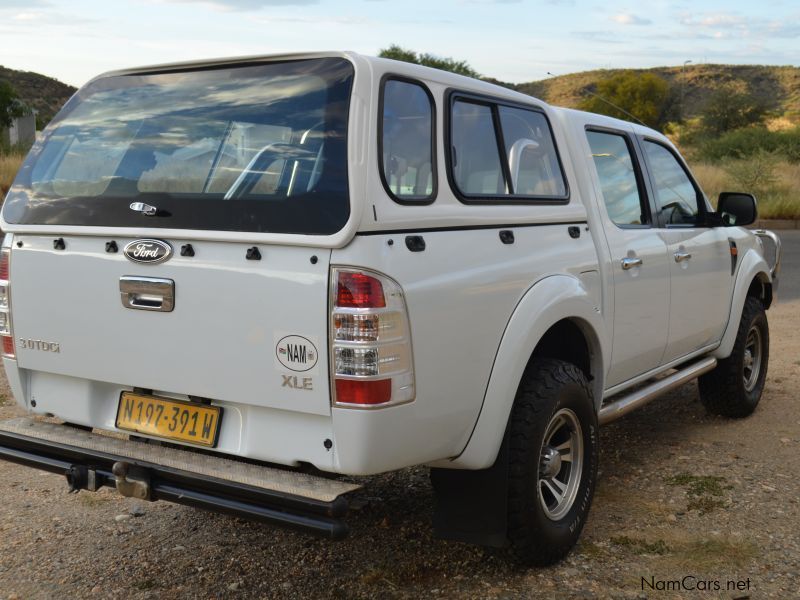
775,183
397,576
640,546
704,504
9,165
93,499
590,549
145,585
703,491
706,555
699,485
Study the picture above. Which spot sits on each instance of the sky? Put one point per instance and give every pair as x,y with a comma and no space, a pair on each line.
511,40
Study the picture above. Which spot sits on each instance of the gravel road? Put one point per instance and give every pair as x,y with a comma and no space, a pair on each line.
681,496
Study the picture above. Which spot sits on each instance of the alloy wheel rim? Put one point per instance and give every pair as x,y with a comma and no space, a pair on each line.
560,464
751,365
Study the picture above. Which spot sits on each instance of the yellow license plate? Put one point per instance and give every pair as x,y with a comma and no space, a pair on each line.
169,419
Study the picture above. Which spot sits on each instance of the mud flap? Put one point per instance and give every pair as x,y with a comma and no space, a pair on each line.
472,506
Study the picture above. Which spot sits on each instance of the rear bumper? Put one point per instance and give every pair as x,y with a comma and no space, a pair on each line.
90,461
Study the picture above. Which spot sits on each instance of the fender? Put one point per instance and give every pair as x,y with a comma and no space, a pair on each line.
547,302
753,265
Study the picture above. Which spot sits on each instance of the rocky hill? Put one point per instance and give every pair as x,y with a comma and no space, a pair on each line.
777,87
45,94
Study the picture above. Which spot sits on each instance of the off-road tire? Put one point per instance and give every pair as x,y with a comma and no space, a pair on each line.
722,390
549,387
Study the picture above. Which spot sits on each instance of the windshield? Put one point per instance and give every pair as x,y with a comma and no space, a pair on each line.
258,148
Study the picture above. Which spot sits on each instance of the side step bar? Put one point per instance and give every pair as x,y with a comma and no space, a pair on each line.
622,406
150,472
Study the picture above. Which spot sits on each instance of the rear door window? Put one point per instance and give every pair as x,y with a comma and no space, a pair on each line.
623,194
503,153
475,156
407,143
532,158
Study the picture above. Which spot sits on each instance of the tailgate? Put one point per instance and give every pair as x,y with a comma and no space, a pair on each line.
245,331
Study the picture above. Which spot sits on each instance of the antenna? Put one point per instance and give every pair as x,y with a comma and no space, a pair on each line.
619,108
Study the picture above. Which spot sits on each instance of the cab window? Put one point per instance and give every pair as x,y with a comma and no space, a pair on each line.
677,198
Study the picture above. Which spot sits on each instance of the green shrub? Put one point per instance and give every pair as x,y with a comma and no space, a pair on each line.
643,96
727,109
461,67
742,143
756,173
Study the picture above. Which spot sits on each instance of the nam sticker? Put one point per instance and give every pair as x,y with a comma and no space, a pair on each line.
296,353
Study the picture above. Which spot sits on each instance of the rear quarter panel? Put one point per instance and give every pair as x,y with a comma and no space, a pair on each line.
460,292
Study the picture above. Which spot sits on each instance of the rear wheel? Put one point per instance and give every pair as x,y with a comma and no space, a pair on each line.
734,387
553,457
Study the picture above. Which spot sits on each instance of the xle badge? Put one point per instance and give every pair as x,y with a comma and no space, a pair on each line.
296,353
298,383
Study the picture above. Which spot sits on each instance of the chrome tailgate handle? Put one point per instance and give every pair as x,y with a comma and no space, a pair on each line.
147,293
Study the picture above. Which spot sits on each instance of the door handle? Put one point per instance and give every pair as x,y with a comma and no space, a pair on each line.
147,293
682,256
629,263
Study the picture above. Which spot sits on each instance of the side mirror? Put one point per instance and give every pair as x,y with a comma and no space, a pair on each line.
737,209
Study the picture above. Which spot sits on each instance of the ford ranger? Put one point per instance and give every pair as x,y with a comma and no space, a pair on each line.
229,283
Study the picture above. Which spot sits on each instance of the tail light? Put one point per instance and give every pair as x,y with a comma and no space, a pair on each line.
370,340
5,314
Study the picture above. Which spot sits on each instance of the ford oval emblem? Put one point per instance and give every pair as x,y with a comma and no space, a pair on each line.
148,251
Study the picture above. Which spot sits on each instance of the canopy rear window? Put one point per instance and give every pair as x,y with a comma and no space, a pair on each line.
257,148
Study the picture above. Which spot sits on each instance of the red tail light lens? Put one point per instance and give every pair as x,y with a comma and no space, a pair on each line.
364,392
8,346
5,310
4,264
357,290
370,340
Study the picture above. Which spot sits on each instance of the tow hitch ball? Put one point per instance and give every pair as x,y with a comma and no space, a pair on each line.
132,482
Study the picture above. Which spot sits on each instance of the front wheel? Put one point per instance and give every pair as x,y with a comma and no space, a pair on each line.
553,458
734,387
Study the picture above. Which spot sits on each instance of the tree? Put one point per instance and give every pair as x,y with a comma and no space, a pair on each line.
728,109
461,67
11,106
646,96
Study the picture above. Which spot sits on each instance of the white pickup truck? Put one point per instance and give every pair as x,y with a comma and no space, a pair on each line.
227,282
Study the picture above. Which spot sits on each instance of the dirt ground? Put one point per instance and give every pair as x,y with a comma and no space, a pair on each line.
682,496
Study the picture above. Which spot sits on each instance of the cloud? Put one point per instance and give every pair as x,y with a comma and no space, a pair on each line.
36,18
601,37
489,1
245,5
329,21
7,4
629,19
27,16
724,25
